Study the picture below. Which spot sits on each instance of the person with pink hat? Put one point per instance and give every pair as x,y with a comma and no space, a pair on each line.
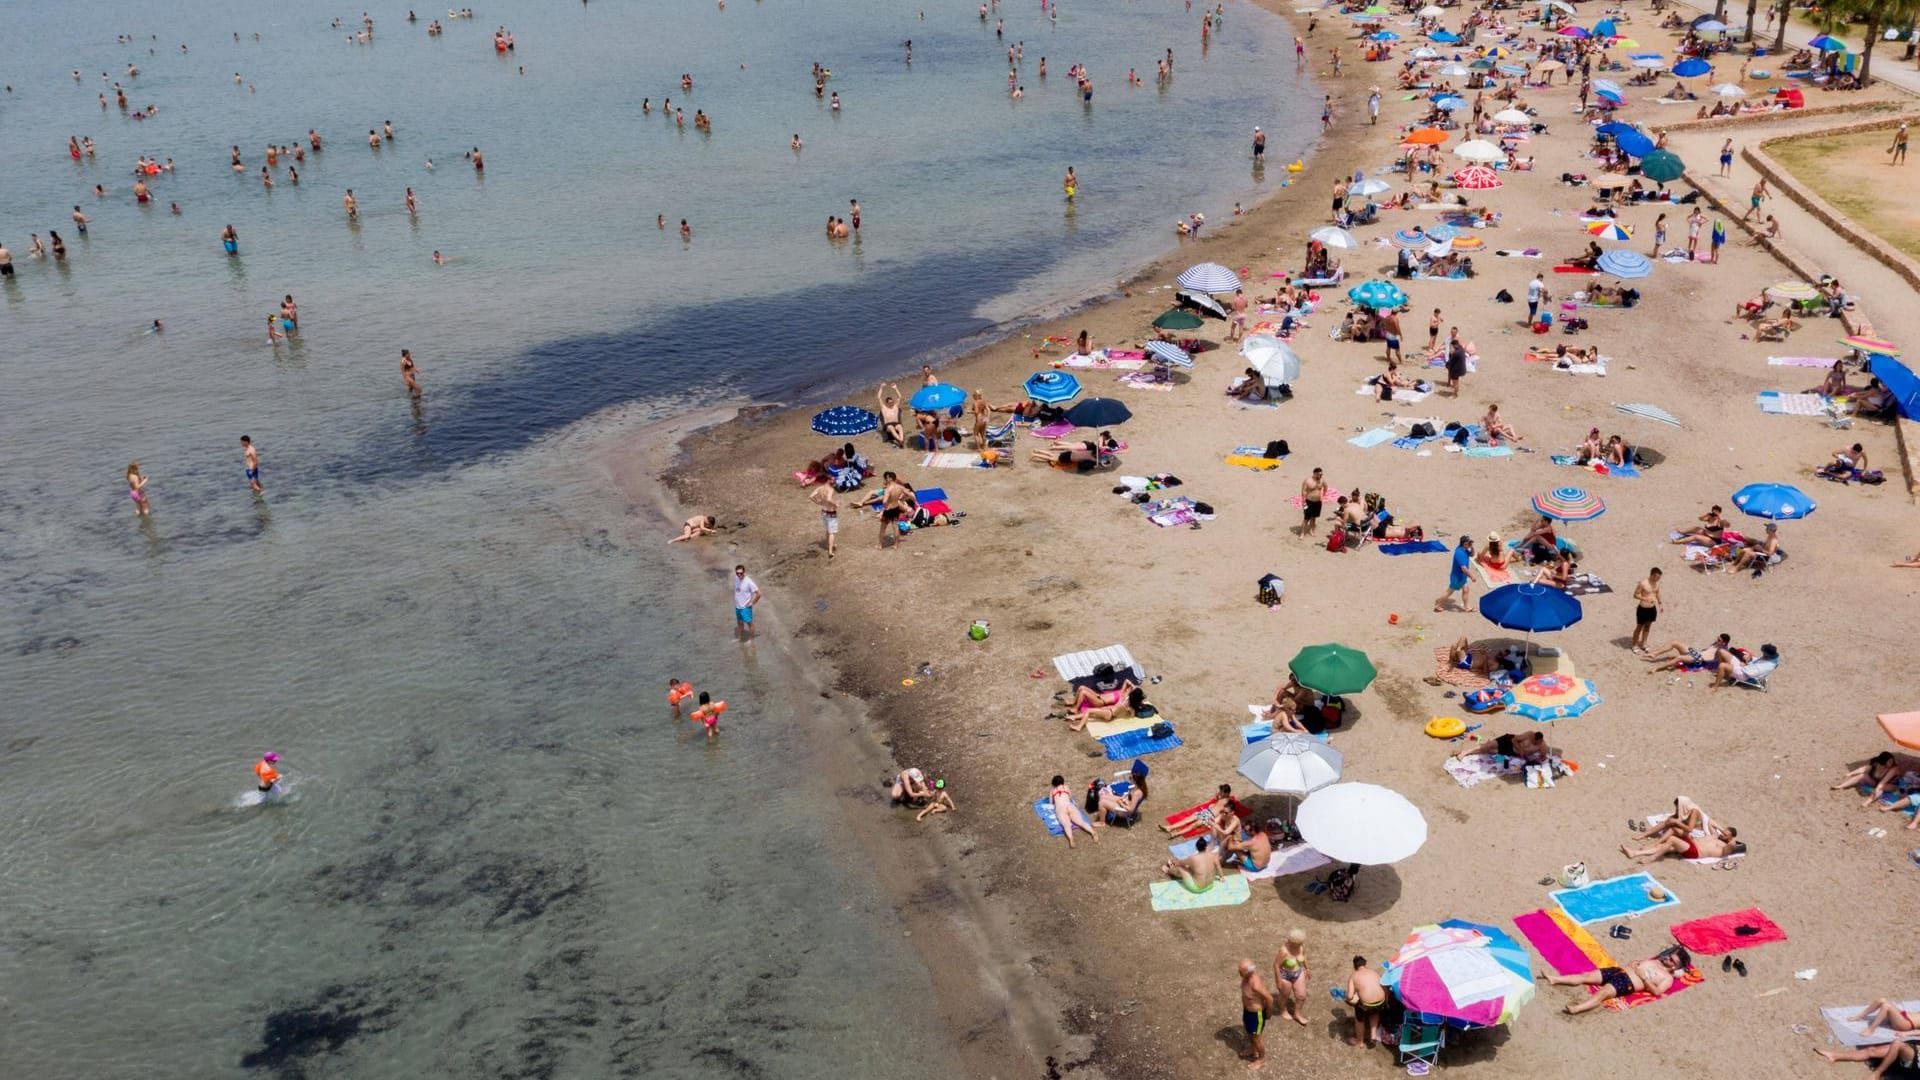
264,771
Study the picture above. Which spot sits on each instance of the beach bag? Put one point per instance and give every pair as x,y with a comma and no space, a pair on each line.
1574,875
1503,297
1277,449
1461,436
1160,730
1422,430
1340,883
1337,540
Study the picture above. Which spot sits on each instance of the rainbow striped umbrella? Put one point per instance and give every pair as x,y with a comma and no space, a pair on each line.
1546,698
1870,346
1463,971
1609,230
1569,504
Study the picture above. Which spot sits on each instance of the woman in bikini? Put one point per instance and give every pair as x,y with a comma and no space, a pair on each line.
1880,772
1290,976
1098,705
137,489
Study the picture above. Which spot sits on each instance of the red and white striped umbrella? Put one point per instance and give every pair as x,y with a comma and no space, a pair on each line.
1477,178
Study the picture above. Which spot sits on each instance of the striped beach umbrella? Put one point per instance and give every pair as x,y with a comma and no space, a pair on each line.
1463,972
1569,504
1774,502
1649,412
1622,263
1792,290
1546,698
1209,278
1168,353
1368,188
1609,230
1477,178
845,421
1870,346
1381,295
1411,239
1052,387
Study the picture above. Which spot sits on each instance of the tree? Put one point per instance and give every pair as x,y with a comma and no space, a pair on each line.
1753,8
1839,15
1780,35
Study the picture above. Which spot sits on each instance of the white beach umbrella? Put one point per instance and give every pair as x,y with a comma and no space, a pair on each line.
1727,89
1362,823
1367,188
1651,63
1335,237
1209,278
1478,150
1277,363
1289,764
1423,53
1455,71
1432,12
1511,116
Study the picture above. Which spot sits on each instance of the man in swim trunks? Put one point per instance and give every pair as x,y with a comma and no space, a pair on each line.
265,773
253,463
1256,1001
823,500
1312,491
1197,871
1719,843
1369,1001
746,594
1653,975
1646,597
1253,853
895,504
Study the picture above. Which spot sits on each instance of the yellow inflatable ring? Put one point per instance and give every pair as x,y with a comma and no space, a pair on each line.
1446,727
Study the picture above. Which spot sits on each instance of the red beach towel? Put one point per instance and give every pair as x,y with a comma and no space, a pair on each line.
1681,980
1718,934
1187,824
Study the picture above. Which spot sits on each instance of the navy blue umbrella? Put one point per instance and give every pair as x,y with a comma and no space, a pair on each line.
1530,607
1634,144
1099,412
1052,387
844,421
938,396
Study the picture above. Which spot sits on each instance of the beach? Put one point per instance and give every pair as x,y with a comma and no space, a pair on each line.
1057,564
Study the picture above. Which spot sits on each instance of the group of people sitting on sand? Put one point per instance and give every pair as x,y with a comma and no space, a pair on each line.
1592,451
1733,550
913,790
1882,774
1729,663
1227,843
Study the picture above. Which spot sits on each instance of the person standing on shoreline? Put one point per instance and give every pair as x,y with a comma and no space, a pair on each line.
252,458
746,594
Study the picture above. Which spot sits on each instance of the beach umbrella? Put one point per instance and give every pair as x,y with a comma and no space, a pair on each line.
1649,63
1455,71
1381,295
1290,764
1649,412
1569,504
1478,150
1450,104
1426,137
1605,28
1499,52
1827,43
1574,32
1562,5
1464,972
1634,144
1774,502
1513,69
1481,65
1477,178
1691,67
1443,232
1383,35
1622,263
1870,346
1609,230
1209,278
1613,129
1203,302
1368,188
844,421
1424,53
1728,89
1334,236
1052,387
1710,26
1362,823
1662,166
1606,84
1411,239
1168,353
1099,412
1332,669
1445,38
1274,359
1900,382
1625,43
1902,728
1610,97
1792,290
1550,697
1548,65
1530,608
936,397
1511,116
1176,319
1432,12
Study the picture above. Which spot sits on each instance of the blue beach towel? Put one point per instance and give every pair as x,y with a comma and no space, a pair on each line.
1044,808
1263,729
1138,743
1408,442
1184,848
1612,899
1488,451
927,495
1890,797
1368,439
1411,547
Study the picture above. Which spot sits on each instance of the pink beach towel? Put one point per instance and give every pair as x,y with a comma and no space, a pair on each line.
1052,431
1551,939
1717,934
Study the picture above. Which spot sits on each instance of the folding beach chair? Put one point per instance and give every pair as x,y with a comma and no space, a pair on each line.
1758,673
1421,1037
1002,435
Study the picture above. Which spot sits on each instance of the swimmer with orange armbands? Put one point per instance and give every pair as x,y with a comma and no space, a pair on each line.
709,712
678,692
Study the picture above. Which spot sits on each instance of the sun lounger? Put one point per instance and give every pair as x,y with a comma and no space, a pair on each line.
1853,1033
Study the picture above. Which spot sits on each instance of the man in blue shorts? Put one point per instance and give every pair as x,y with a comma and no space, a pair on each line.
746,593
1459,577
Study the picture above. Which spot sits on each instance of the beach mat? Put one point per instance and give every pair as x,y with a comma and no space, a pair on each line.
1401,395
1561,943
1368,439
1228,890
1853,1033
1410,547
950,460
1888,798
1587,585
1247,461
1263,729
1288,859
1778,404
1106,729
1488,451
1803,361
1044,808
1681,980
926,495
1493,577
1613,898
1188,826
1080,665
1133,744
1718,934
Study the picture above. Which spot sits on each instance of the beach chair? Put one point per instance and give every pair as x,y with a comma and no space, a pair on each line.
1758,673
1422,1035
1002,435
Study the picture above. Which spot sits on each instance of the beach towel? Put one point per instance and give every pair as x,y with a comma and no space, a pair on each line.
1494,577
1288,859
1170,519
1044,808
1408,442
1599,369
1253,461
951,461
1137,743
1488,451
1519,253
1125,354
1613,898
1779,404
1228,890
1410,547
1718,934
1564,269
1401,395
1080,665
1256,404
1472,770
1263,729
1682,979
1453,676
1625,472
1561,943
1144,380
1375,437
1803,361
1110,361
1103,729
1188,821
1655,819
1051,431
1850,1032
1587,585
1888,798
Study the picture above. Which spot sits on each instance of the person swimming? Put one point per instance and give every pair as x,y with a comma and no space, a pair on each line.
678,691
265,773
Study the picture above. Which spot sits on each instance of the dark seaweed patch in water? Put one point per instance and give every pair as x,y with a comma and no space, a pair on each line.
524,888
336,1016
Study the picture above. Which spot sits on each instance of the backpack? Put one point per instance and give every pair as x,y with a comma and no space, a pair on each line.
1422,430
1160,730
1337,540
1340,883
1277,449
1503,297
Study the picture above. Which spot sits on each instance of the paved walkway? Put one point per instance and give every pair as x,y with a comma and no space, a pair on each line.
1887,65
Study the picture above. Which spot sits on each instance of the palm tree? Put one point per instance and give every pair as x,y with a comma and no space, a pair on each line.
1838,15
1753,8
1780,35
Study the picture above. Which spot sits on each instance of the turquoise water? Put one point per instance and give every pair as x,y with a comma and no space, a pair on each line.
497,856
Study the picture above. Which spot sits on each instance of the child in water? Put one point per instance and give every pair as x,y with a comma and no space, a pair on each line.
677,692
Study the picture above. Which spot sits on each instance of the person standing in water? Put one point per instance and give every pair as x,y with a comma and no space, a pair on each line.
406,372
853,215
1071,184
413,208
352,205
264,772
252,456
137,489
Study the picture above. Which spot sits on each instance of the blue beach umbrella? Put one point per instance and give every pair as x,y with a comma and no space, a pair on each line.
1099,412
1613,129
1381,295
1449,104
1209,278
1606,84
1774,502
1413,239
844,421
1691,68
1445,38
1611,97
1826,43
938,396
1530,608
1605,28
1052,387
1634,144
1169,353
1383,35
1622,263
1899,379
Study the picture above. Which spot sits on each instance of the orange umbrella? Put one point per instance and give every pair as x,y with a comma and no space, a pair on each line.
1903,728
1427,137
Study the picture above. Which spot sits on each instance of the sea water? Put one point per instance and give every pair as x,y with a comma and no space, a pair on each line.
496,855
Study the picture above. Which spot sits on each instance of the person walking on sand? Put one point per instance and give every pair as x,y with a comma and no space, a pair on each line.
1458,576
1694,222
1536,292
1659,234
823,499
1290,975
1326,106
137,489
1238,328
746,594
1755,198
1899,147
1647,606
1726,158
1256,1004
251,455
1373,105
407,372
1312,491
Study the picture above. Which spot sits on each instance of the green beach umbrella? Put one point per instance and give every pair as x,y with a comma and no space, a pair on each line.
1662,166
1332,669
1176,319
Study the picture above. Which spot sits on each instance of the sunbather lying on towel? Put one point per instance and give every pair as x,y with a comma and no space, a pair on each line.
1730,667
1679,654
1881,771
1529,746
1067,813
1483,661
1197,871
1885,1014
1653,975
1101,705
1908,803
1719,843
1073,451
1899,1052
1217,816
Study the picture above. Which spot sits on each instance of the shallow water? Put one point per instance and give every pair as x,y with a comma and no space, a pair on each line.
496,856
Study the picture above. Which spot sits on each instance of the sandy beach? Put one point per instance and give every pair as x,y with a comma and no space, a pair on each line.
1057,563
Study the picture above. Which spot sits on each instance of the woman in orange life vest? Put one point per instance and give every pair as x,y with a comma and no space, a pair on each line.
264,771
